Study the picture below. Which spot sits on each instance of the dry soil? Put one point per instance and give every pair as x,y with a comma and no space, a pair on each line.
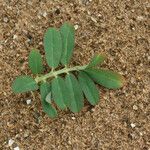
118,28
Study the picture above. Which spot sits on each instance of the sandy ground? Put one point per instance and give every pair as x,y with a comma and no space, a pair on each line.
118,28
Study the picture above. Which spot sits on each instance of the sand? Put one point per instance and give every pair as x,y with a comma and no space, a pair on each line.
120,29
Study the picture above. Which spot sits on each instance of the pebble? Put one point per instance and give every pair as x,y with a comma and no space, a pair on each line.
5,93
71,4
133,125
93,19
92,109
15,37
135,107
28,101
73,118
89,13
99,15
17,148
76,27
5,19
44,14
119,17
40,43
69,142
141,133
26,134
10,142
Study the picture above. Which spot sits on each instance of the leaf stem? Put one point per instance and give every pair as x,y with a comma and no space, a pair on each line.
55,73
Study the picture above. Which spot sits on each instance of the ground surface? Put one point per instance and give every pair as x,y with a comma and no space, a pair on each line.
118,28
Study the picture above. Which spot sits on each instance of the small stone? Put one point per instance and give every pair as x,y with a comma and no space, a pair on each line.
40,43
144,91
26,134
92,109
133,125
135,107
132,10
39,17
90,0
5,93
73,118
28,101
120,17
44,14
93,19
10,142
17,148
71,4
88,12
99,15
15,37
5,19
69,142
76,27
141,133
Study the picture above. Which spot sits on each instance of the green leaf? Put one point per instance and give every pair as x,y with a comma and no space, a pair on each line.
35,62
89,88
24,84
53,47
76,102
97,59
57,92
48,97
68,42
45,88
106,78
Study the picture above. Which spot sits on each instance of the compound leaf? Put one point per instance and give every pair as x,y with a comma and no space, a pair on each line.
24,84
45,89
89,88
76,102
97,59
57,92
68,42
106,78
35,62
53,47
